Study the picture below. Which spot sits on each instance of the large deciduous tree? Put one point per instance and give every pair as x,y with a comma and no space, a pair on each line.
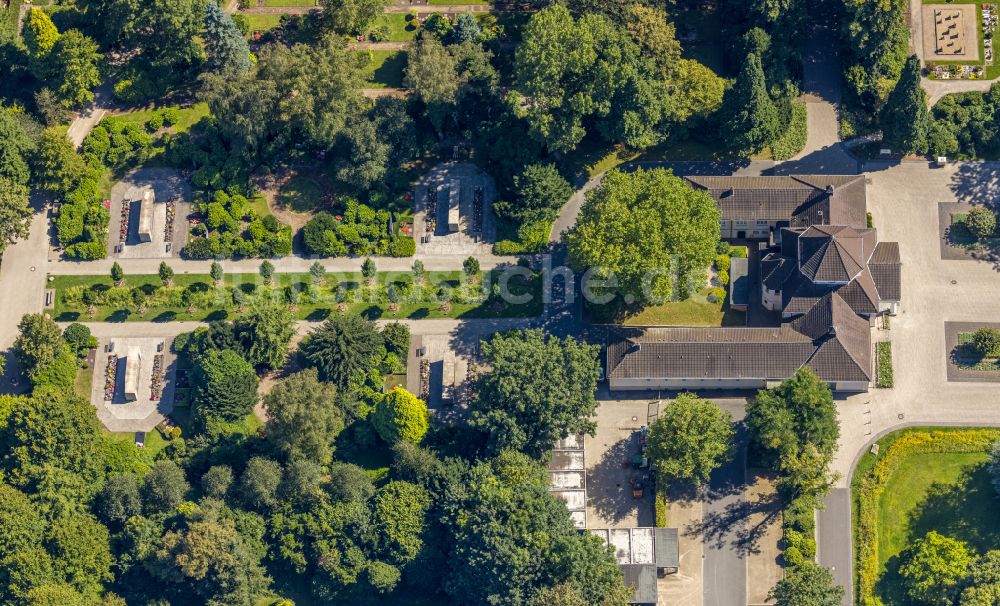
73,71
351,17
934,567
432,74
905,117
650,230
750,120
302,417
539,192
15,214
540,389
510,539
39,342
690,440
343,349
807,585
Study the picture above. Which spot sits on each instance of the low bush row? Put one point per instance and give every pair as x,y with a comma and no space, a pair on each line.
359,230
883,351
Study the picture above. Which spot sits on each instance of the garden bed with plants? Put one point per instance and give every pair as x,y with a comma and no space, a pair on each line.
923,480
197,297
883,357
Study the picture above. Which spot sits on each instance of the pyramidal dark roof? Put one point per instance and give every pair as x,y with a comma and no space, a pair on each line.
843,339
831,253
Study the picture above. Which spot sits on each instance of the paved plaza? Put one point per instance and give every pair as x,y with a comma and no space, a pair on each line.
119,412
166,188
454,187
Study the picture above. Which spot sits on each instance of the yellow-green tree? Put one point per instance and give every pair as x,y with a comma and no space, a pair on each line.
401,416
39,33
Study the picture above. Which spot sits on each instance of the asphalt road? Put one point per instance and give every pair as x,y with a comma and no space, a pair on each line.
834,550
725,569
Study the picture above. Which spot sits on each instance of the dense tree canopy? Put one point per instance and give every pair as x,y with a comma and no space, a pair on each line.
226,385
302,417
905,117
650,230
809,585
540,389
401,415
690,439
934,567
342,350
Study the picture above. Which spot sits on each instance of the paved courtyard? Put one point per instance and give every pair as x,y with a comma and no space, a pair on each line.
476,226
146,411
167,186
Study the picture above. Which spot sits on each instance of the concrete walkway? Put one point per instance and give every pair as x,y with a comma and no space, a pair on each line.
93,113
22,289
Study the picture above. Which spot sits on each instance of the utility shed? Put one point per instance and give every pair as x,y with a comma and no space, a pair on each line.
133,367
642,579
145,230
739,284
454,204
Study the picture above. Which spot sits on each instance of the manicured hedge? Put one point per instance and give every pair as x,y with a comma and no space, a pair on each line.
869,492
360,230
794,138
660,504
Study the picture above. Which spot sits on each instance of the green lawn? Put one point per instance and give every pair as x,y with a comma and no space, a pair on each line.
948,492
385,68
695,311
262,22
400,30
187,117
8,21
210,303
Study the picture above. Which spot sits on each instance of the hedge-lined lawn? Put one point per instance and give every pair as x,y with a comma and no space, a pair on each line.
385,68
924,479
186,116
194,297
400,30
261,22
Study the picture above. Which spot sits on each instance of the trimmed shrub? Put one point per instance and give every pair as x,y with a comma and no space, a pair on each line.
883,352
981,222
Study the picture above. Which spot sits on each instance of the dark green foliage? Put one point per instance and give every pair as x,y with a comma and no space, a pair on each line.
227,48
226,386
259,483
360,230
750,120
540,192
38,343
216,481
120,499
986,340
118,143
491,556
690,440
981,221
808,585
904,119
302,417
79,339
164,487
540,389
397,338
232,229
877,45
351,17
343,349
349,483
264,332
375,146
